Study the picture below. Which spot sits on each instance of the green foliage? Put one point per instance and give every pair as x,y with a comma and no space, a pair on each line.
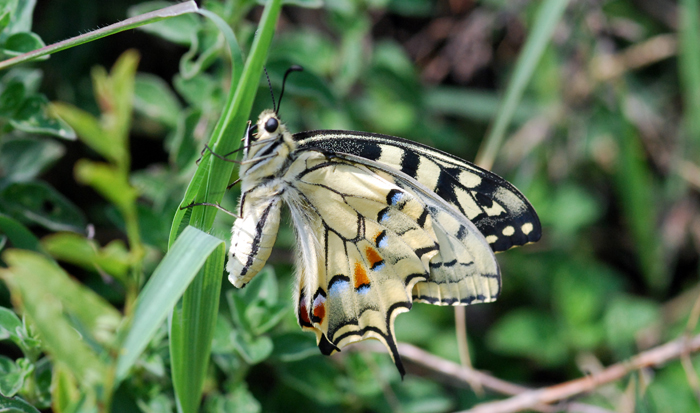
97,252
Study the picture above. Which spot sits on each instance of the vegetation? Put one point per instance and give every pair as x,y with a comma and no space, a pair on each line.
592,109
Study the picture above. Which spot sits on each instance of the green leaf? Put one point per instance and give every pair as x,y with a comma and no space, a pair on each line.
252,349
239,400
95,315
42,381
625,317
115,94
154,99
12,96
22,12
113,259
315,378
570,209
89,129
293,346
422,396
18,234
528,333
10,325
22,42
24,158
47,296
109,181
15,405
197,91
179,30
168,282
204,50
12,376
5,18
192,327
64,389
33,117
38,203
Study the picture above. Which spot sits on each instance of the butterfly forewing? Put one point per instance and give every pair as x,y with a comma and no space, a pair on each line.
500,212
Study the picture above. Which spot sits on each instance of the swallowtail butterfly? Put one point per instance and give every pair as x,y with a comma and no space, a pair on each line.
381,222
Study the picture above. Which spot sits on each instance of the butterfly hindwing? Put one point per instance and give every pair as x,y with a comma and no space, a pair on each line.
500,212
374,241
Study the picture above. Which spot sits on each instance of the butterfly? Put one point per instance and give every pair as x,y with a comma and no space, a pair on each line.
381,222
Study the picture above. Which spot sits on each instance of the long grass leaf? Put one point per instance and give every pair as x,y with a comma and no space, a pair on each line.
128,24
167,284
689,65
548,15
192,331
192,325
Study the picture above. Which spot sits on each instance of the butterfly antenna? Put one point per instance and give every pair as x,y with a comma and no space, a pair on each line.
293,68
269,84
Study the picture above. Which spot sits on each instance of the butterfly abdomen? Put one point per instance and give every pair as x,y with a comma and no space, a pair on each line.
252,239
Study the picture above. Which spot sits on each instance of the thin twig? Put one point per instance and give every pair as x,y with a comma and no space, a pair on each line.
463,346
546,395
687,364
463,375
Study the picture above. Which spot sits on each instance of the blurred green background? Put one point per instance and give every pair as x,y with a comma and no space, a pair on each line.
605,143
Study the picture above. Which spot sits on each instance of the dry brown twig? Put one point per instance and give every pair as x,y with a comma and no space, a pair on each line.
542,398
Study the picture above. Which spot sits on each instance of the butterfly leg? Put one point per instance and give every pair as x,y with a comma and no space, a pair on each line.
217,206
225,157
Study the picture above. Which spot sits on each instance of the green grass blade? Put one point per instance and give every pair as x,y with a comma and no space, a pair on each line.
199,177
548,15
192,325
234,48
231,126
167,284
192,331
128,24
689,65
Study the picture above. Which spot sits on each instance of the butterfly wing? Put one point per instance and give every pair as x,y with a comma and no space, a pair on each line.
373,240
502,214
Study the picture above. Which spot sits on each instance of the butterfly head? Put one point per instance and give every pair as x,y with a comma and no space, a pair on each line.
267,145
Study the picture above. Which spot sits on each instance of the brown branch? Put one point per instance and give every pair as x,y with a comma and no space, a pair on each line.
457,373
552,394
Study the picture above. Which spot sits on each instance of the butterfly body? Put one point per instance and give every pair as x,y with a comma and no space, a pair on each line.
381,223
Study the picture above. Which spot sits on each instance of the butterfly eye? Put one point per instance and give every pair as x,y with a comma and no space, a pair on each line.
271,125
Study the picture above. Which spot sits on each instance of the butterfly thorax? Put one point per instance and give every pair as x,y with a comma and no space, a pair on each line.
267,152
266,159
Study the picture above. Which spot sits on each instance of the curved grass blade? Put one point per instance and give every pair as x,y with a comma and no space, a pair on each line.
132,23
167,284
192,325
548,15
192,331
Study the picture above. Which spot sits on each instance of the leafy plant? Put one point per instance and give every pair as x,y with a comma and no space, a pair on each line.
586,127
